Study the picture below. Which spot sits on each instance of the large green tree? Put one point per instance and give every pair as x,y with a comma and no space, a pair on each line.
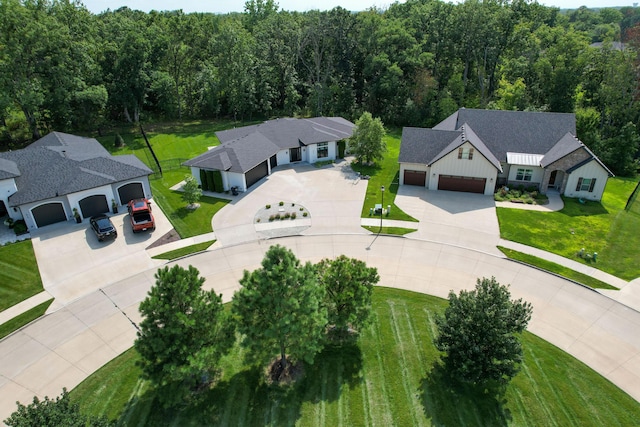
479,334
52,413
183,334
367,142
349,284
279,310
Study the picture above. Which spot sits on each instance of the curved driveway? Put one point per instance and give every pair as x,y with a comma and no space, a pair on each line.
63,348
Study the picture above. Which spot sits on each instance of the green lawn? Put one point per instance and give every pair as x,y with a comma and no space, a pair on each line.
390,378
398,231
19,275
556,268
188,250
22,319
605,228
385,172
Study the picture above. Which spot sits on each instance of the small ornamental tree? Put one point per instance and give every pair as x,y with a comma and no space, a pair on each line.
279,311
349,285
191,193
49,412
183,334
478,334
367,142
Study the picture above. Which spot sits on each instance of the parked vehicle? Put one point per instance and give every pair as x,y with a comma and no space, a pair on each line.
103,227
140,215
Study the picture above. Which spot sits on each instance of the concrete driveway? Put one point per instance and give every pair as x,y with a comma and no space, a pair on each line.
73,263
451,217
331,194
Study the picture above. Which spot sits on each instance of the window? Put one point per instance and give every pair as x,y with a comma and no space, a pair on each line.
465,153
323,150
524,174
586,184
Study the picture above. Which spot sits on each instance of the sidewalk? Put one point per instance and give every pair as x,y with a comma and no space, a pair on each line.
24,306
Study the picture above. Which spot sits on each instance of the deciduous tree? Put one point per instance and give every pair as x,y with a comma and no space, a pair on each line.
478,334
279,310
367,142
191,193
183,334
50,412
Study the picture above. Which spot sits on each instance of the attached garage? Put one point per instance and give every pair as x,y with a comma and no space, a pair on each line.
257,173
49,213
130,191
461,183
94,205
412,177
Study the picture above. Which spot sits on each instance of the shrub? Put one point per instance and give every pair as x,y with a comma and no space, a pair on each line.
278,216
293,215
281,203
287,215
19,227
271,218
305,214
268,206
258,220
301,209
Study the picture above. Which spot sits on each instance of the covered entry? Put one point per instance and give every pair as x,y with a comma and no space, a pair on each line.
257,173
131,191
461,183
94,205
415,177
49,213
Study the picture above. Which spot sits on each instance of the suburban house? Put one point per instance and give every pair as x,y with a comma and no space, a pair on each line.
43,183
247,154
478,150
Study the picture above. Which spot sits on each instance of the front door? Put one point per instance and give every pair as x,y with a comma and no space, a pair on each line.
295,154
552,178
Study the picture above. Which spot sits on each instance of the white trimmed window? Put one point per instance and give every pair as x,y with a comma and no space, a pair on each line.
586,184
524,174
465,153
323,150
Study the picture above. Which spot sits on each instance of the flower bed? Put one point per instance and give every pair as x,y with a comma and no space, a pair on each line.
520,194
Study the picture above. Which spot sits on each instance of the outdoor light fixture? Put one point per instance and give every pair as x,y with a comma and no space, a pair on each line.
381,209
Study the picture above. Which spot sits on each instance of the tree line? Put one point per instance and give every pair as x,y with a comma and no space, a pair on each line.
414,63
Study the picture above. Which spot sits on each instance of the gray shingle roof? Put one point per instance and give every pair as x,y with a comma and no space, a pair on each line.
59,164
515,131
8,169
244,148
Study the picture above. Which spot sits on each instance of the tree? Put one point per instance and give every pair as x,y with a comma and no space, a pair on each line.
367,142
191,193
279,310
478,334
349,284
183,334
50,413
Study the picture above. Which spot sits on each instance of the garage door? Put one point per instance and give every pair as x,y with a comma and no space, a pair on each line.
48,214
93,205
461,183
257,173
130,192
415,177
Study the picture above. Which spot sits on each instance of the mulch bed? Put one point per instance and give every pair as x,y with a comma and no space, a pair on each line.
171,236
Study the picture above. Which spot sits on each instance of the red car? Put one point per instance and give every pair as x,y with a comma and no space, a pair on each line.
140,215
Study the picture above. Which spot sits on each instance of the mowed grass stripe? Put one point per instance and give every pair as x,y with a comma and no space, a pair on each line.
550,417
377,392
547,383
405,353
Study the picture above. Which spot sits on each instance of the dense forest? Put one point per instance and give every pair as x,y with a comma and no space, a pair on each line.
64,68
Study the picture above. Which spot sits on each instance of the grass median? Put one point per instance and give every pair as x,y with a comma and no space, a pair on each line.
388,378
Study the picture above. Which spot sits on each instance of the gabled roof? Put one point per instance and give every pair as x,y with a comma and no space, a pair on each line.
237,155
566,145
513,131
427,146
60,164
8,169
243,148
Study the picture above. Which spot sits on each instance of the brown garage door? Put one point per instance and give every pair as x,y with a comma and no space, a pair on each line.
461,183
415,177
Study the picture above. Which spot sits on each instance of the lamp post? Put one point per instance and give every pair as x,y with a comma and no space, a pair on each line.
381,209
